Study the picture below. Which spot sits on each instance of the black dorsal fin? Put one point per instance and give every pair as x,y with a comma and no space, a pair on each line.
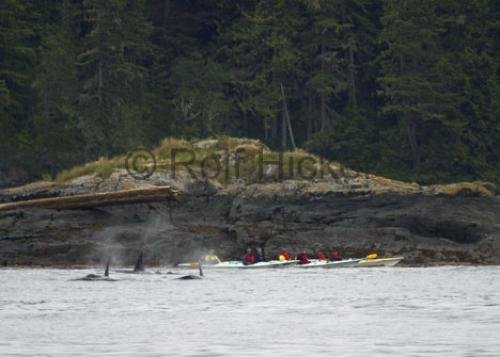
139,265
106,272
200,268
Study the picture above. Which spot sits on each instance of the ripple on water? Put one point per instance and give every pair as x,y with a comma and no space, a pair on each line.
352,312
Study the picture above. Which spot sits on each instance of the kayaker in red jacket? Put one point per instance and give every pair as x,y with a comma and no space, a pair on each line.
249,257
302,257
335,256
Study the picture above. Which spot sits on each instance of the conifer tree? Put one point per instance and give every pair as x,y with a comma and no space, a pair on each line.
413,83
112,68
17,58
58,138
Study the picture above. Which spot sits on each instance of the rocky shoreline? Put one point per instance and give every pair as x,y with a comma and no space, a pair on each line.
355,215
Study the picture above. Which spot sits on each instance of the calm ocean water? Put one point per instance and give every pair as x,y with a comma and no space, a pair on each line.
446,311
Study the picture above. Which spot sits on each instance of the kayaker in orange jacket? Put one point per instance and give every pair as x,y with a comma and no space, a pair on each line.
320,255
284,256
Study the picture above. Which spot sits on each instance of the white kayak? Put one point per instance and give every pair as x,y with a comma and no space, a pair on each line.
237,264
192,265
379,262
260,265
345,263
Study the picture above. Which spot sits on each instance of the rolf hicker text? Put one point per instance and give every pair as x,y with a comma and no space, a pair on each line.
142,163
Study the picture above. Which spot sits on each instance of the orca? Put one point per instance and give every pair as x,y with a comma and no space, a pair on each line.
96,277
106,271
139,265
193,277
138,268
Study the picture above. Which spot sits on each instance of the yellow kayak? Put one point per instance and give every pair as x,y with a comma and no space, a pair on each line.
379,262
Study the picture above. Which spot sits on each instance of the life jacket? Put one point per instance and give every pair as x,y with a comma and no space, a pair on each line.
335,256
284,256
320,256
249,258
303,259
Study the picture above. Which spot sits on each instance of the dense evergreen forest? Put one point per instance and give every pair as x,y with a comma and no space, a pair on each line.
409,89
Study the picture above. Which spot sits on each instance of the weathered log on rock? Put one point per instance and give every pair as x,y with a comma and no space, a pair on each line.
154,194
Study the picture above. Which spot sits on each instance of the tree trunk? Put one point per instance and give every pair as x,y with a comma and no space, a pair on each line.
309,118
286,116
46,103
351,74
324,116
90,200
99,81
166,11
245,122
309,127
290,130
274,129
351,89
283,129
411,127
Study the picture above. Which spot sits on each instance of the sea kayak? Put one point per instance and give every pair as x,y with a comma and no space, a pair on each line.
345,263
192,265
237,264
313,263
379,262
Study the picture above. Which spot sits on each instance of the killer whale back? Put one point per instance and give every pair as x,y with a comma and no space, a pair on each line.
95,277
193,277
139,265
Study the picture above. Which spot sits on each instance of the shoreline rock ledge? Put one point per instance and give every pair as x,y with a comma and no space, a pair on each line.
355,214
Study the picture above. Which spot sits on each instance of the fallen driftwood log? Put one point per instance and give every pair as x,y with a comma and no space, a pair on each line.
88,200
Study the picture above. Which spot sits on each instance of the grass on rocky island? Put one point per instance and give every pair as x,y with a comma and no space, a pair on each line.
223,159
102,168
226,159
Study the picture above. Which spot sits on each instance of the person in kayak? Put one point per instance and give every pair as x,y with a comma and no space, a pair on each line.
320,255
335,256
302,258
249,257
284,256
259,255
211,258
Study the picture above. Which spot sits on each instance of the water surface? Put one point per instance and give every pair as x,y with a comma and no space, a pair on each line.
446,311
